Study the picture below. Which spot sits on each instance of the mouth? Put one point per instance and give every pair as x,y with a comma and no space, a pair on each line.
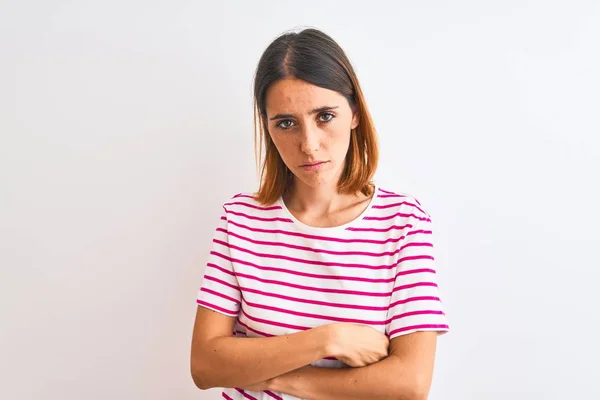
314,165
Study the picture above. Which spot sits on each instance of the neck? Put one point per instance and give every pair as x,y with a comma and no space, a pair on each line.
319,200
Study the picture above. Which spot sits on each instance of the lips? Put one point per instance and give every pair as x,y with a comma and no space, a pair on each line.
313,164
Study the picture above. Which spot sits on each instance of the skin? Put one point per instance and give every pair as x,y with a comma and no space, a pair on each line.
310,124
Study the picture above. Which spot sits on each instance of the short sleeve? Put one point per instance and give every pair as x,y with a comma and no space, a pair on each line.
219,290
415,304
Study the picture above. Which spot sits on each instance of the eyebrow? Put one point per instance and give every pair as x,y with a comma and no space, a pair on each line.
314,111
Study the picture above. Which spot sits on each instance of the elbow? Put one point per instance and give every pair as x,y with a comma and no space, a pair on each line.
420,396
200,376
421,384
200,380
411,394
415,388
417,395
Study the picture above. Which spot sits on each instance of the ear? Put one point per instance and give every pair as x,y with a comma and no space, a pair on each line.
355,119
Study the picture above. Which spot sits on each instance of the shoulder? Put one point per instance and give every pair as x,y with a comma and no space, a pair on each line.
245,204
401,204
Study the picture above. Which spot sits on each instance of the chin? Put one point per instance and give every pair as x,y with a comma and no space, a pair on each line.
322,179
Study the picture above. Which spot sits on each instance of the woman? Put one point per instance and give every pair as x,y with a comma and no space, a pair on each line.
326,280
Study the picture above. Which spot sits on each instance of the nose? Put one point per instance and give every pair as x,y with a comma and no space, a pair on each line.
311,141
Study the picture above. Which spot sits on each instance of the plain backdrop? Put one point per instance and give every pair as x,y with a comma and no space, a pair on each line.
126,124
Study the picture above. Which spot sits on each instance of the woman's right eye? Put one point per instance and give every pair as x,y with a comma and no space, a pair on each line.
285,124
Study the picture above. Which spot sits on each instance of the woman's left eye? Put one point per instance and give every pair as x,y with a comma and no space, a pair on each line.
326,117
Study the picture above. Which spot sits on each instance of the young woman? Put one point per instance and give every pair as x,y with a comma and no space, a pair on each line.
326,280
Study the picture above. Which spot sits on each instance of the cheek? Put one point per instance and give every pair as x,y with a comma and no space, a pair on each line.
285,145
339,136
340,129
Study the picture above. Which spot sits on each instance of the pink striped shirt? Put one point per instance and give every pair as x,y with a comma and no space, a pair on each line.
277,276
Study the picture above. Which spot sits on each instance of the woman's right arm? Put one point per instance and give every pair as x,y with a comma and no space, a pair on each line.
220,360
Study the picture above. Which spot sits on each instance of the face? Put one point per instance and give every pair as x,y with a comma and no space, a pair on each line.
310,127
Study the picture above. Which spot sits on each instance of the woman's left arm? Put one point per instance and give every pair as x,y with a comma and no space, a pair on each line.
404,375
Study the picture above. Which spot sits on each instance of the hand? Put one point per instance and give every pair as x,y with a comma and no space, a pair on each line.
357,345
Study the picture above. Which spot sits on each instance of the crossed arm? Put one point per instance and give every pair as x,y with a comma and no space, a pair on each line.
405,375
280,363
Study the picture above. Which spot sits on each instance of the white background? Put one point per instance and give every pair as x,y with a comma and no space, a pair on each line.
125,124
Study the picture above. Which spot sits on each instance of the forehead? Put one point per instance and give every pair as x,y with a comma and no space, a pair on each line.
295,95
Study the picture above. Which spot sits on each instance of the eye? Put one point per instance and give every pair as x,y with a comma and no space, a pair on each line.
284,124
326,117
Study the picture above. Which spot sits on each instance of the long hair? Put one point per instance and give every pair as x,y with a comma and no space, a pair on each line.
314,57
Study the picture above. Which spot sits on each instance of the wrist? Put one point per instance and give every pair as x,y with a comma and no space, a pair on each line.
329,340
275,384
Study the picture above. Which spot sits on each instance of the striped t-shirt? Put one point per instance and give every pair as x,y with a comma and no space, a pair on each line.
277,275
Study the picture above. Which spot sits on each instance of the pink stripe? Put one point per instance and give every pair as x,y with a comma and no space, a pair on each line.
311,275
253,330
207,304
325,276
384,206
386,191
316,316
387,196
413,313
303,261
419,231
324,303
225,395
416,298
340,319
207,290
390,205
239,195
370,280
316,289
273,395
303,235
420,257
246,395
413,285
307,274
338,305
240,203
310,249
417,327
310,288
389,228
211,278
269,322
259,218
416,271
397,215
317,302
